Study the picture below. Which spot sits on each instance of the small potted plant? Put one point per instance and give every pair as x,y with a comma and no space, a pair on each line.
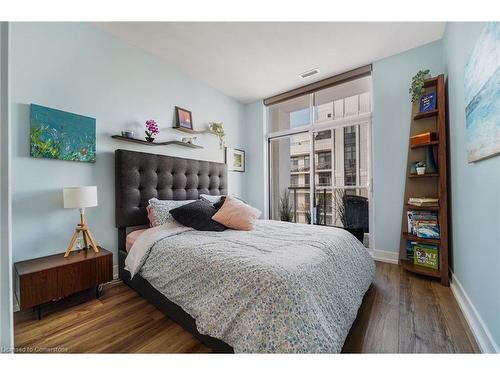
417,84
218,129
152,129
420,167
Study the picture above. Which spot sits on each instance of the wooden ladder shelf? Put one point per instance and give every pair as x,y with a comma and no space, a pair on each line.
435,185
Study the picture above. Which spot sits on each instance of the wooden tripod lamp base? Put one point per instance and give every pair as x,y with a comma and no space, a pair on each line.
81,197
87,238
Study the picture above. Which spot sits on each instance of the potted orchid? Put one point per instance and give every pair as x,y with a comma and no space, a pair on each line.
152,129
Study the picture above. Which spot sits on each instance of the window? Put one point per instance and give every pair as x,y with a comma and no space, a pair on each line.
290,114
324,179
334,120
325,134
324,160
307,179
307,160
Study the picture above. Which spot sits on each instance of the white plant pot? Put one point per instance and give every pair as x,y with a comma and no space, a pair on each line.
420,170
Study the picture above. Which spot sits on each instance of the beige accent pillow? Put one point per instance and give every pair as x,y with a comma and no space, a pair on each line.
237,215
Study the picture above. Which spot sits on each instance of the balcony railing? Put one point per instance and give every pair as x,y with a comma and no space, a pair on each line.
320,166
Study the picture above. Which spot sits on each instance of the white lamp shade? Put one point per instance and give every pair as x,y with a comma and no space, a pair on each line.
80,197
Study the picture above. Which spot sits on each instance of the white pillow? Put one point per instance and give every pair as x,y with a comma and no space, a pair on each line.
212,198
160,209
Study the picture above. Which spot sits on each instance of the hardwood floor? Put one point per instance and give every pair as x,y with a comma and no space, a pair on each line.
401,313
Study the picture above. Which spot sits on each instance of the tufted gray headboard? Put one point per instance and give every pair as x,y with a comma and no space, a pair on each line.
140,176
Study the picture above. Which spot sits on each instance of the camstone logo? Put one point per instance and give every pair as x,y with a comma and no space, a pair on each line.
33,349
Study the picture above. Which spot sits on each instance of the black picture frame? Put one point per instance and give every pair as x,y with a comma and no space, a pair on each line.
229,159
183,124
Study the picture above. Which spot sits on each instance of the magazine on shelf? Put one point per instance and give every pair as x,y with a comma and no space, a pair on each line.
429,224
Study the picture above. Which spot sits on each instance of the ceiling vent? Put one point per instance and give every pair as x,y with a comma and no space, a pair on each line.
309,73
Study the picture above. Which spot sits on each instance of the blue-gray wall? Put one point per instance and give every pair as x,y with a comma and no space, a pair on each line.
78,68
255,138
475,192
391,78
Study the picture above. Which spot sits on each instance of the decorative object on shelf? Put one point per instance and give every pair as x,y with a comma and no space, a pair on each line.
128,134
420,167
482,95
183,118
61,135
427,102
81,198
413,167
417,84
430,164
152,129
422,138
235,159
189,140
218,129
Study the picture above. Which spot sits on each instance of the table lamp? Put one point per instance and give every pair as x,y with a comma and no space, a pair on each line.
81,198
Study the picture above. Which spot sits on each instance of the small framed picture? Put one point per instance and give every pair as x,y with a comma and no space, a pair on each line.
235,159
183,118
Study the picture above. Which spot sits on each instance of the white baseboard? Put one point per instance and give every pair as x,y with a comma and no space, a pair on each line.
385,256
479,329
115,272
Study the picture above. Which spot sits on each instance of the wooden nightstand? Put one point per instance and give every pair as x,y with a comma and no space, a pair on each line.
53,277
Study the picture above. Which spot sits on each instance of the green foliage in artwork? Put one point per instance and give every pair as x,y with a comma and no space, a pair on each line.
49,143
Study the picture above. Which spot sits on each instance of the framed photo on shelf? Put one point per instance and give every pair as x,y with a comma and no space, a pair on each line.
183,118
235,159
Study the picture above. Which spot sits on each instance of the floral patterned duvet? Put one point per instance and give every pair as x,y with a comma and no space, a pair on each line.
281,288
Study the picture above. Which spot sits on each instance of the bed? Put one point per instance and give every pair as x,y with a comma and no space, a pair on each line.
282,287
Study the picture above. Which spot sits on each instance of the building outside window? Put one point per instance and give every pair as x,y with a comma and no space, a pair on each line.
350,155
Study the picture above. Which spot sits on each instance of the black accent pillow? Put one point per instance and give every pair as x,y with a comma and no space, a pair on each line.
219,204
198,215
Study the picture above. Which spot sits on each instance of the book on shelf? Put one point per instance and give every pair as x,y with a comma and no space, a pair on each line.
426,256
422,138
427,229
423,224
423,201
409,249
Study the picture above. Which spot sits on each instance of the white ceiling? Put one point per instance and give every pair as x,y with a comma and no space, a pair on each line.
251,61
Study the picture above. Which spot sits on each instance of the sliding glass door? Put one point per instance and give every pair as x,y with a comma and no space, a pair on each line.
319,158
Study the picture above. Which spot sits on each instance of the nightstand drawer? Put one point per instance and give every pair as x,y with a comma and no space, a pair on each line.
37,287
75,278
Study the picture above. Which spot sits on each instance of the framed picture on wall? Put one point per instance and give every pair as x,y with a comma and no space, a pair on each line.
61,135
183,118
235,159
482,96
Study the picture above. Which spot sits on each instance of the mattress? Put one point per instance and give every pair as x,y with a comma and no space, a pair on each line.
280,288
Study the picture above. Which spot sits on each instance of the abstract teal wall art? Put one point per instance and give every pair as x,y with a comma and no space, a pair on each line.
62,135
482,95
